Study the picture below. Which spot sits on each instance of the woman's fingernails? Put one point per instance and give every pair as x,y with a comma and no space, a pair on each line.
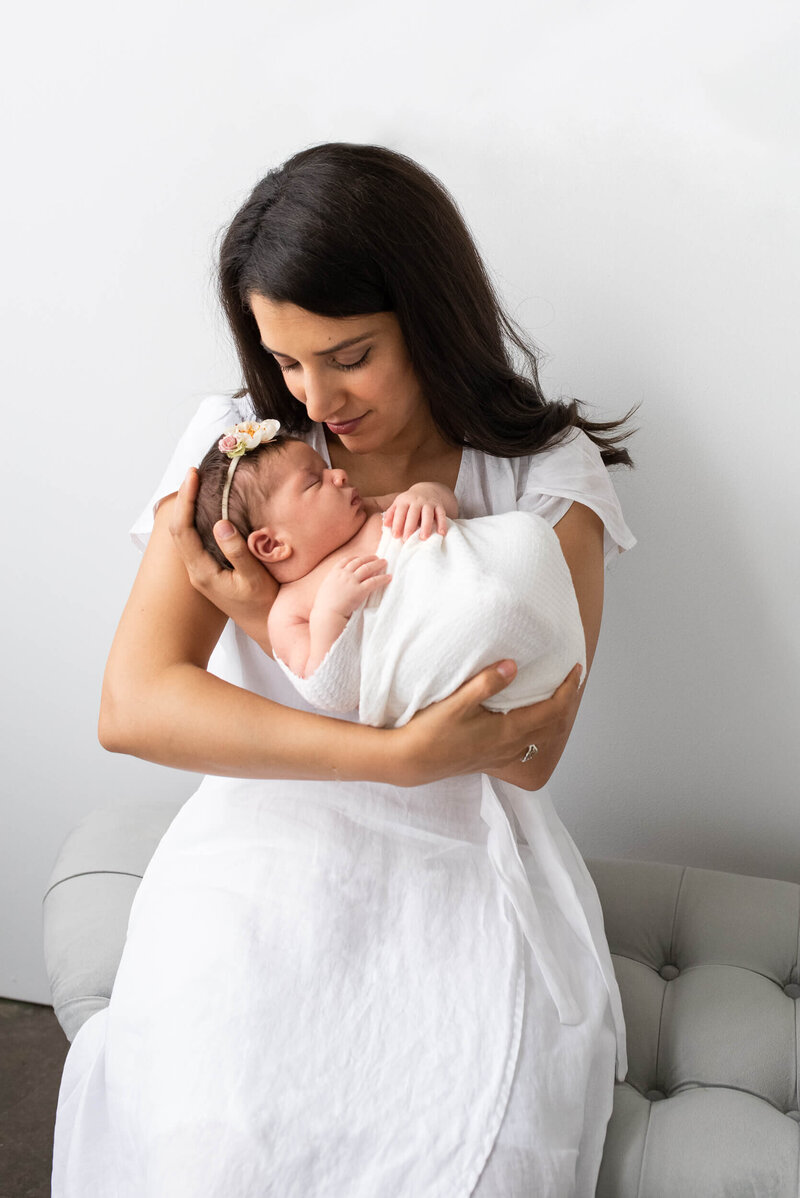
225,530
507,669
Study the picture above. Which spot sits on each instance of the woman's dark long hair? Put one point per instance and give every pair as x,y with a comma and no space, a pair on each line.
348,230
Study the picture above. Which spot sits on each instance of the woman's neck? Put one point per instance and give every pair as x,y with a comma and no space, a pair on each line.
394,470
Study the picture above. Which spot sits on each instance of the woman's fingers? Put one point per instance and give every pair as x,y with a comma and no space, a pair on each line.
248,568
552,716
184,534
482,686
206,574
460,735
182,514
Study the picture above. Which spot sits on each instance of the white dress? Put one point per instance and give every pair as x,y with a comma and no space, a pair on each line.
355,990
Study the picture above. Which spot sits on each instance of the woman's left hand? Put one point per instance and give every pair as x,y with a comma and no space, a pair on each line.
458,735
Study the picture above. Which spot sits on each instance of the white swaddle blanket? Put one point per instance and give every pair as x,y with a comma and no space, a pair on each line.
493,587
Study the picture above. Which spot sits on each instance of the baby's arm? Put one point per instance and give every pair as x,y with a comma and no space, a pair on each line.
422,505
302,639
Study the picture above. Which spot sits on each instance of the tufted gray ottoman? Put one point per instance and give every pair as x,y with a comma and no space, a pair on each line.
707,963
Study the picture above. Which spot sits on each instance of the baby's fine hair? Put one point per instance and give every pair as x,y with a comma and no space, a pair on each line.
213,471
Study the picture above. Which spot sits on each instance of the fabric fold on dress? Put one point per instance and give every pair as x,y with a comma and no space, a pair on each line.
507,863
531,811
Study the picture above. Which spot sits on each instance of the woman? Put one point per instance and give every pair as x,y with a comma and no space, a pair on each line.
339,982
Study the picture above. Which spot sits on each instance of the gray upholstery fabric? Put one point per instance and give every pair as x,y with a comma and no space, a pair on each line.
707,964
88,900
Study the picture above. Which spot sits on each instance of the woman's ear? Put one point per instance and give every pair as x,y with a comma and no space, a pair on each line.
266,548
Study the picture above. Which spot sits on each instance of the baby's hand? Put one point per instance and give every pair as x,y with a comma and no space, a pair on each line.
350,583
418,508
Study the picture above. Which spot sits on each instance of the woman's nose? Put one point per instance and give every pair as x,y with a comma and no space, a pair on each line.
320,398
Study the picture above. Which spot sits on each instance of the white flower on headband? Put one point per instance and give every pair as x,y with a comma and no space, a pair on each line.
241,438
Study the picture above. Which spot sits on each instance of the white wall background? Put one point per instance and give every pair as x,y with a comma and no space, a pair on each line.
630,171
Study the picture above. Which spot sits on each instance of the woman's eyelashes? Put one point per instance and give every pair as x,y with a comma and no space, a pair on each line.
338,365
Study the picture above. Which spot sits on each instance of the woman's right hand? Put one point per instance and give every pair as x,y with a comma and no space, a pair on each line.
246,593
458,735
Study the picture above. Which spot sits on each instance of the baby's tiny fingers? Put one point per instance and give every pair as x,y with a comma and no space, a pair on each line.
378,580
426,523
355,563
371,565
412,521
441,520
398,524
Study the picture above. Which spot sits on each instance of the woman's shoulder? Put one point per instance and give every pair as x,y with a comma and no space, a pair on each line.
546,483
573,454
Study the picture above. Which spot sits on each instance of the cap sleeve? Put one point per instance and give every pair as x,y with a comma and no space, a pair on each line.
216,413
574,472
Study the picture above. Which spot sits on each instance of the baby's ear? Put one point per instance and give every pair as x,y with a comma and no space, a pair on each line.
267,548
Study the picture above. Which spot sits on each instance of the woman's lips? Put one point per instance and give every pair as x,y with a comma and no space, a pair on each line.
346,427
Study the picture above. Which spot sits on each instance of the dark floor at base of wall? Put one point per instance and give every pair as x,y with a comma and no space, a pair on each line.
32,1052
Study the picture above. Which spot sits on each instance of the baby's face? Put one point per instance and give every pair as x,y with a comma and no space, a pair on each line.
310,505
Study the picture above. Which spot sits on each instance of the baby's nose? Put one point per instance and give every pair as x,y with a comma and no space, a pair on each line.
339,478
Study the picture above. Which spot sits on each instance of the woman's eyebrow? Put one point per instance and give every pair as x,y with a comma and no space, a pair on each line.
332,349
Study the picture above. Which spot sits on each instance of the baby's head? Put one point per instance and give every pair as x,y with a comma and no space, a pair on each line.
291,507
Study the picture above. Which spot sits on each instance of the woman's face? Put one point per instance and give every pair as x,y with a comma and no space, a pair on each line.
352,373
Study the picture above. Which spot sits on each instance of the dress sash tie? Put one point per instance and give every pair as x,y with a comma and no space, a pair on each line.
550,843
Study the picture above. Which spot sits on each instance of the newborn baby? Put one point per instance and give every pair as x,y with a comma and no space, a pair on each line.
313,532
461,597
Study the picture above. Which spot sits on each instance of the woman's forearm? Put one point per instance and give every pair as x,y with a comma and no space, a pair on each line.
189,719
160,703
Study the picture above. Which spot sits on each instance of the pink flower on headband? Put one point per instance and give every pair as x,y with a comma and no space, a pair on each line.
242,437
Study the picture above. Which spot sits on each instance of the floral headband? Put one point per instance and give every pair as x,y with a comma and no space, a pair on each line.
239,440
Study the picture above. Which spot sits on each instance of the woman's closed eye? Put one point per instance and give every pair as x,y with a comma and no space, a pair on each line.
338,365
